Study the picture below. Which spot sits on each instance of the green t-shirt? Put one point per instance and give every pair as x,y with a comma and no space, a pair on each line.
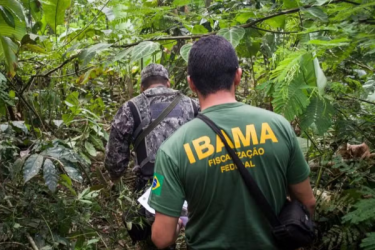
193,165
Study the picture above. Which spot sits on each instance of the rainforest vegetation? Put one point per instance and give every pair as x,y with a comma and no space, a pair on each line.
66,66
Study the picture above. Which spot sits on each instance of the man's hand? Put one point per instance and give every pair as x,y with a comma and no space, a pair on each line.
165,230
304,194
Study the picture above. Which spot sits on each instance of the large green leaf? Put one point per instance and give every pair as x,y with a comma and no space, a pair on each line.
8,50
185,50
144,49
233,35
97,142
32,166
7,16
72,171
54,12
312,73
19,29
318,12
50,175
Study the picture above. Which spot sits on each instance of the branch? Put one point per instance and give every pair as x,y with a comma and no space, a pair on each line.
58,67
275,32
355,98
31,241
246,25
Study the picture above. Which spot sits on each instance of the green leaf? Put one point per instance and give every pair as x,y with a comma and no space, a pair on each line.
290,99
54,12
90,149
17,167
276,22
233,35
7,16
8,50
185,50
318,12
72,171
32,166
97,142
50,175
312,73
19,29
243,17
318,115
144,49
21,125
180,2
88,54
199,29
331,43
368,243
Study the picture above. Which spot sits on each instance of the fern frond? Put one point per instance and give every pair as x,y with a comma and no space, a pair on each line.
318,115
364,211
288,68
289,99
368,243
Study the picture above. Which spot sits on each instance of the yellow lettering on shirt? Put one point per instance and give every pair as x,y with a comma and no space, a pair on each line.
239,138
189,153
220,144
203,147
267,134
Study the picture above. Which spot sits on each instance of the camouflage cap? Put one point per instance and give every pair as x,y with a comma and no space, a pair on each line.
154,70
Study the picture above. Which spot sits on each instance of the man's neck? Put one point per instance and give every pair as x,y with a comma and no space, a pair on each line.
220,97
156,85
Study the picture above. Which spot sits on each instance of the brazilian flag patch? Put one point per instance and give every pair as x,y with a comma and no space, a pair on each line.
157,184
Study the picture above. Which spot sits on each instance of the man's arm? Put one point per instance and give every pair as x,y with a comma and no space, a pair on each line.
165,230
117,150
304,194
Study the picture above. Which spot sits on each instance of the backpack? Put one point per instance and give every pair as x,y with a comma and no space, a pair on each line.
144,160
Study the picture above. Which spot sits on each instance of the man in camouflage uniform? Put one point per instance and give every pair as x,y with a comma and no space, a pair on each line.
135,116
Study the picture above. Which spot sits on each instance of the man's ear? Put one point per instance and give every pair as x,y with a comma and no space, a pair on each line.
237,77
168,84
142,88
191,84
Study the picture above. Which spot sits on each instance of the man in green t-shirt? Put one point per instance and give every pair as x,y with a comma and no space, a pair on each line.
193,164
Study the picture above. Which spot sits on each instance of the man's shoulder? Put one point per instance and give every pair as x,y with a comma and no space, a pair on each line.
267,114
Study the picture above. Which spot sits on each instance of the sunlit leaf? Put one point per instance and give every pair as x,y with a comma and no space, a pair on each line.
54,12
32,166
233,35
90,149
7,16
8,51
15,9
144,49
185,50
50,174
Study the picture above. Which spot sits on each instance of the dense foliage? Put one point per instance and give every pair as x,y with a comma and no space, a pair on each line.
67,65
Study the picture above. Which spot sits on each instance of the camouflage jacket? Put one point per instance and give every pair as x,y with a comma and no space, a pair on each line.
120,138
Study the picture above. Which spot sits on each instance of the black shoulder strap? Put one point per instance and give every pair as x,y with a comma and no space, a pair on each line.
135,113
195,108
161,117
251,185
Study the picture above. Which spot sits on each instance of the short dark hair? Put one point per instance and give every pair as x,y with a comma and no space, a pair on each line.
146,83
212,64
